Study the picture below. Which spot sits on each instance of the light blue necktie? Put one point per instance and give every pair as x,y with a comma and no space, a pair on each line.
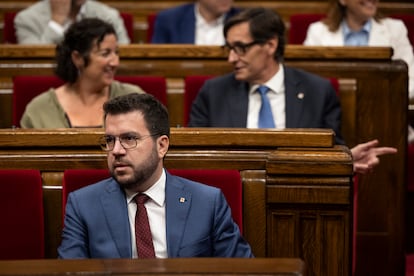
265,113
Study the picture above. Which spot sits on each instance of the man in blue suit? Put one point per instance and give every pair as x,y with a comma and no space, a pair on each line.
199,23
255,39
186,219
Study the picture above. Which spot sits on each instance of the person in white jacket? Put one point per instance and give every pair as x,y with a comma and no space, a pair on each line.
45,21
357,23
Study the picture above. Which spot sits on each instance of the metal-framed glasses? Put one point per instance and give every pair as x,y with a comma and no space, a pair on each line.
240,48
127,141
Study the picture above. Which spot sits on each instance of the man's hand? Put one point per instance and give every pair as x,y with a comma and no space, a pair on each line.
365,155
61,10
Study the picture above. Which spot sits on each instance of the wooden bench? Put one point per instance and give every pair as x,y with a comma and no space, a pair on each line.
140,9
297,192
372,108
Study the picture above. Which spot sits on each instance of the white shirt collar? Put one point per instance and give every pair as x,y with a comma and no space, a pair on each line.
275,84
156,192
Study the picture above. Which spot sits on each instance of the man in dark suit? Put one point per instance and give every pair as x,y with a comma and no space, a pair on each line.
186,218
255,39
198,23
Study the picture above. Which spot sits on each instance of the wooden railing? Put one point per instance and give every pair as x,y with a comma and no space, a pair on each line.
296,183
373,95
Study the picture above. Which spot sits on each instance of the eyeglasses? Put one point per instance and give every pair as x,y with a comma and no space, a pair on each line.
128,141
240,48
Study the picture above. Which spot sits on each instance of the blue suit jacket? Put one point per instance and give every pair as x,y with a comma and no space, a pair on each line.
223,102
97,225
177,25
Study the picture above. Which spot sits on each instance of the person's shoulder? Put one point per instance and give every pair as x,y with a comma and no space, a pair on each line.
393,23
193,186
99,7
300,74
176,11
317,26
34,9
42,100
123,88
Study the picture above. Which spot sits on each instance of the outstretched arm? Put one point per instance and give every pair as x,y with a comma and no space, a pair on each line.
366,155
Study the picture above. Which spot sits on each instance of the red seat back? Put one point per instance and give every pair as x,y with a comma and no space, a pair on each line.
129,24
75,179
192,85
151,22
25,88
299,24
154,85
229,181
21,214
9,32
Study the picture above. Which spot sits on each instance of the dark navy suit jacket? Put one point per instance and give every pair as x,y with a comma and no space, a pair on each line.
97,224
223,102
177,25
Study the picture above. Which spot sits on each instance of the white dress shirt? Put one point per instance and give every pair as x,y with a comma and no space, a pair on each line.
156,216
276,96
208,33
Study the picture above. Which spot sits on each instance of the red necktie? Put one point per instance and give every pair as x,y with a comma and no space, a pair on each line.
143,237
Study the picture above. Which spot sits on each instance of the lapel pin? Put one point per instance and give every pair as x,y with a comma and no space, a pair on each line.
300,95
182,199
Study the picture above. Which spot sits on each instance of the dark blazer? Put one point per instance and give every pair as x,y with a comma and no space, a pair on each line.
223,102
97,224
177,25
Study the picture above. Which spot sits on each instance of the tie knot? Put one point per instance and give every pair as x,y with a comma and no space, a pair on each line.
263,89
141,198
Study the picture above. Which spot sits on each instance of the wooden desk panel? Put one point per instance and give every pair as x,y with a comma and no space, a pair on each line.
191,266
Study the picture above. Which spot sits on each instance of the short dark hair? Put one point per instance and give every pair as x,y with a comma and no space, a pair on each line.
155,113
264,24
81,36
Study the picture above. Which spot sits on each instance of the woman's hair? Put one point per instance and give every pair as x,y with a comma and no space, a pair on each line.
336,13
81,37
264,24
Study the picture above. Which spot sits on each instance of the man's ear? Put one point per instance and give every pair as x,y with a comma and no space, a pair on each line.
272,44
77,59
163,143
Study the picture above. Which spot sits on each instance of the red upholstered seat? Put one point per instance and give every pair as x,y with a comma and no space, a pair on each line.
299,24
229,181
21,215
25,88
154,85
74,179
129,24
192,85
151,22
9,32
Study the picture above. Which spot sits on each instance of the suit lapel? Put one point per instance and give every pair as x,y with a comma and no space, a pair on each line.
178,202
294,94
186,28
238,103
115,209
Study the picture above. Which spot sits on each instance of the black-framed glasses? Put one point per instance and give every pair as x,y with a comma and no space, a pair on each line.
128,141
240,48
